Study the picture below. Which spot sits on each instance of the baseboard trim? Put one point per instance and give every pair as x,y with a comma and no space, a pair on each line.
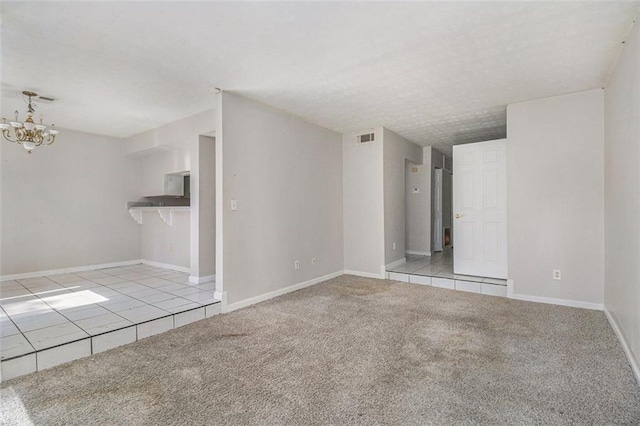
635,364
364,274
203,279
418,253
395,263
222,297
69,270
552,301
510,284
166,266
270,295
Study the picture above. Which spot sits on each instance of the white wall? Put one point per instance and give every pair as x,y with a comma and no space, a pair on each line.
555,156
163,243
418,206
622,195
363,204
155,166
65,205
396,150
286,175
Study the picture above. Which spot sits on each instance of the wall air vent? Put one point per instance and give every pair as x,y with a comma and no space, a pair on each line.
367,137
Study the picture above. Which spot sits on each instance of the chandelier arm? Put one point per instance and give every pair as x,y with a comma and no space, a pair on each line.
37,137
50,139
7,135
21,134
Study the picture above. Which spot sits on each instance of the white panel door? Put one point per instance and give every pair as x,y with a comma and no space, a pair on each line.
437,211
480,209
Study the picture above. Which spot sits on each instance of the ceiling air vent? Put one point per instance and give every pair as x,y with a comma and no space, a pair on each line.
367,137
45,99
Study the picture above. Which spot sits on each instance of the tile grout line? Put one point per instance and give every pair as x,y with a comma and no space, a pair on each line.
89,336
123,294
21,333
106,286
36,351
127,295
62,314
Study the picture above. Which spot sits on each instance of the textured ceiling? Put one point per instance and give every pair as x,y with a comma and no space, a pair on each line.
436,73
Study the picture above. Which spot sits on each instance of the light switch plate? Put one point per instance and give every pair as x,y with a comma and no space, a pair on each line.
234,205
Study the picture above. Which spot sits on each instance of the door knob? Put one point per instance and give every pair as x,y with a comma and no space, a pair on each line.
458,216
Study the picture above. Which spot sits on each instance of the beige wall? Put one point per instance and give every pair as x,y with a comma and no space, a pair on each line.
286,176
163,243
363,204
175,135
177,147
203,214
396,150
622,195
418,206
65,205
155,166
555,156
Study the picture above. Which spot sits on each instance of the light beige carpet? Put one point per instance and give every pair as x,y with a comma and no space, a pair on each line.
350,351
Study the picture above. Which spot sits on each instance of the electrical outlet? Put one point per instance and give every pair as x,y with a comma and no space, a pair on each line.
296,264
313,260
557,274
394,246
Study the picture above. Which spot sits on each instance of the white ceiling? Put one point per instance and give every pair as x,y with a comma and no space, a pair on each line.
436,73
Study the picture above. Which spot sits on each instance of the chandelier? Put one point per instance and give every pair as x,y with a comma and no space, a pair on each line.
28,133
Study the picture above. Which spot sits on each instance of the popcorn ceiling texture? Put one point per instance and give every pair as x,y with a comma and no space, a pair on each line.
436,73
350,351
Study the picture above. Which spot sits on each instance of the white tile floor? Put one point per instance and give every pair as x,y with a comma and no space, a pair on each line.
42,313
439,265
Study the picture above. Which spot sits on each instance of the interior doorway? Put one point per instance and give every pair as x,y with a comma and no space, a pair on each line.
430,213
441,203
